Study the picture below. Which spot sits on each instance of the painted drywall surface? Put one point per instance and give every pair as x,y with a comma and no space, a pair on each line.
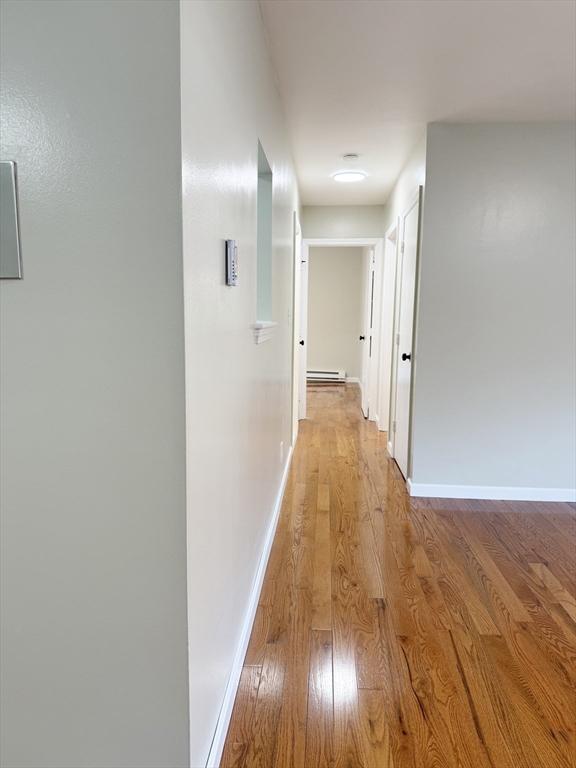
405,189
495,383
264,248
94,663
335,309
341,221
238,392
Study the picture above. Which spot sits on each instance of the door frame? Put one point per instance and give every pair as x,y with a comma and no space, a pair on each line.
387,324
350,242
369,404
302,340
416,199
296,304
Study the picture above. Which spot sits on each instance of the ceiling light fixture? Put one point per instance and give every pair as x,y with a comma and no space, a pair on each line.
348,177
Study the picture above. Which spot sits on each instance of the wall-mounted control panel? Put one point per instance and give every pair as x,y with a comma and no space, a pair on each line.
10,257
231,262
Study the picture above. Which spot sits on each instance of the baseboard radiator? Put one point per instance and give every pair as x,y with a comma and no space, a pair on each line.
326,377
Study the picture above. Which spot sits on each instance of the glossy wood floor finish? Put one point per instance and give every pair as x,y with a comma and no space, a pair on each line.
401,632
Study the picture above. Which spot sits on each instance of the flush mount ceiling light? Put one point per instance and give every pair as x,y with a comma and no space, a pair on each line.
349,177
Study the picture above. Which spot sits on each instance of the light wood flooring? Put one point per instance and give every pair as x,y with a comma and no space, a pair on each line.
400,632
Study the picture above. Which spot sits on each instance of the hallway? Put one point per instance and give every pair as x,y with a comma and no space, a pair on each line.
405,632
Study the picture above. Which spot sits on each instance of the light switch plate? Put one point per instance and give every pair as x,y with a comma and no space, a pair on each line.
10,255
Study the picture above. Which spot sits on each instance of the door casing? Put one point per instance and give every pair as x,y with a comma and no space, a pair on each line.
401,450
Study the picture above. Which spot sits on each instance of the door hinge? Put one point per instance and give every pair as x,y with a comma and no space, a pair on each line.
402,247
393,426
397,339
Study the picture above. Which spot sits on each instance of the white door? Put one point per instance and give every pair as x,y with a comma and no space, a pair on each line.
408,256
302,341
366,335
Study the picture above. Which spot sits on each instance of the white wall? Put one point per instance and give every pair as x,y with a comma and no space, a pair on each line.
406,187
238,393
335,309
341,221
495,383
94,661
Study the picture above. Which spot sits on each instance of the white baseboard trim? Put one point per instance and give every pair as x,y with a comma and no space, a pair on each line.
219,738
352,380
389,447
495,493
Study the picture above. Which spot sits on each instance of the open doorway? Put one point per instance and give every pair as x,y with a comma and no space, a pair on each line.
340,323
336,326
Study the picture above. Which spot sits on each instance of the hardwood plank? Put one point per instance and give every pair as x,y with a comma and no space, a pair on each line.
372,707
552,749
553,641
240,730
486,578
258,638
262,738
560,595
322,587
290,746
502,732
373,669
500,586
320,716
441,695
452,574
348,618
405,633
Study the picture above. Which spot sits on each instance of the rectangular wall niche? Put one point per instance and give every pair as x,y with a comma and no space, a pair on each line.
264,238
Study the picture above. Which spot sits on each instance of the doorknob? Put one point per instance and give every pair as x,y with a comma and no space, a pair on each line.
301,342
362,338
406,357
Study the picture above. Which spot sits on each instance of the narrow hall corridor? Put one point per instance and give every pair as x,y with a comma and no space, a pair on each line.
399,632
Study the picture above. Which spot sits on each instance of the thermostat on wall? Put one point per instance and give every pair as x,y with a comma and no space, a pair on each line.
231,262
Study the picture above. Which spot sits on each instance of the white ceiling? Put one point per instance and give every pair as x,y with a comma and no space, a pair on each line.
365,76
